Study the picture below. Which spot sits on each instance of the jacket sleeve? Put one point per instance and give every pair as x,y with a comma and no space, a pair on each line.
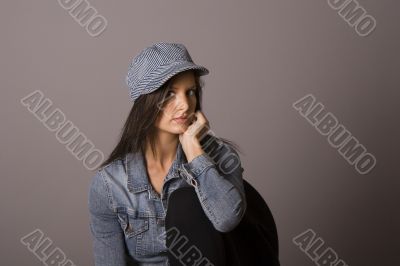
107,235
219,186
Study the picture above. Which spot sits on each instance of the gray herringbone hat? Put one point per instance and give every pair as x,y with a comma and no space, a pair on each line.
154,65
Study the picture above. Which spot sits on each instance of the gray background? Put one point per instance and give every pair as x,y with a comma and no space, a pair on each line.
262,56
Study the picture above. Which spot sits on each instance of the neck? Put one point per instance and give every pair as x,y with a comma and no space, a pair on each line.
165,149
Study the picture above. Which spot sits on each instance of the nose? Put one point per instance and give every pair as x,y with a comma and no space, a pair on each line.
182,102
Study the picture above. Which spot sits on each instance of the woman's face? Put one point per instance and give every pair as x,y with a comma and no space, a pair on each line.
179,102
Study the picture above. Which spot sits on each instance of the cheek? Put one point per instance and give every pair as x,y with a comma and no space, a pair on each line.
167,111
164,121
161,121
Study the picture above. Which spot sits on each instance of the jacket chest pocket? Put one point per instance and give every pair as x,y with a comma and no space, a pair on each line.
135,226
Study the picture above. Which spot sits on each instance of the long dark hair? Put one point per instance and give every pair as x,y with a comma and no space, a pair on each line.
140,127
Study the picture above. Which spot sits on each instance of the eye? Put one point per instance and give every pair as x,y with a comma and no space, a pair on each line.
170,94
192,92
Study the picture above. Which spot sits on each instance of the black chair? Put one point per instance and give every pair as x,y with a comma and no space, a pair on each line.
254,241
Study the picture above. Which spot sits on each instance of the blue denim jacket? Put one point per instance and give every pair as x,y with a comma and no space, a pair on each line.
127,214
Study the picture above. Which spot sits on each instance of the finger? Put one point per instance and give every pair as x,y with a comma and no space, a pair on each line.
205,121
192,118
201,117
194,128
199,129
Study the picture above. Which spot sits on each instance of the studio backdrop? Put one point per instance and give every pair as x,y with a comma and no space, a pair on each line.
309,90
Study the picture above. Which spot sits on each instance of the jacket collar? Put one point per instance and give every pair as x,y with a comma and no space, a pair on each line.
138,179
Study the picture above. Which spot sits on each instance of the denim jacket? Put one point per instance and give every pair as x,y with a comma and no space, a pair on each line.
127,215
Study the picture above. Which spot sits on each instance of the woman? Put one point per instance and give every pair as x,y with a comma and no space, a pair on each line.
169,189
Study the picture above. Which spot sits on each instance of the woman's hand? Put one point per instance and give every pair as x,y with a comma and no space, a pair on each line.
190,139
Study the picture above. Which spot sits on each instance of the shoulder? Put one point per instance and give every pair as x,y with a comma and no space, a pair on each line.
101,181
114,168
103,185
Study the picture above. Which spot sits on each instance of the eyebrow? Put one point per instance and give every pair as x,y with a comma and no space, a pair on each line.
192,87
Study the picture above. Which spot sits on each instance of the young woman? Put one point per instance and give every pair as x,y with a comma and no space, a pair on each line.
170,188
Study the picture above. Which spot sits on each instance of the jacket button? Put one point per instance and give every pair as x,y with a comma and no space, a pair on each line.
160,221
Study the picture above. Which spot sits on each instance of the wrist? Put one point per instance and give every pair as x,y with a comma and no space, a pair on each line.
193,153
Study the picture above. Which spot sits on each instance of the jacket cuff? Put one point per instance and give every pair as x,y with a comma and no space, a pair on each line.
199,164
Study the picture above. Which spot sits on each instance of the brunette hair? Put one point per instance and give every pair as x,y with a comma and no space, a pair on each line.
140,127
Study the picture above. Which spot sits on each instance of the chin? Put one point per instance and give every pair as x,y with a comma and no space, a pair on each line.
178,129
174,129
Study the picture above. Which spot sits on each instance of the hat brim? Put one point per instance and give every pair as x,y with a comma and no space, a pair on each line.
156,79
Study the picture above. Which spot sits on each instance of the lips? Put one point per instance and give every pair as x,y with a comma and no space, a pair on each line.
180,120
